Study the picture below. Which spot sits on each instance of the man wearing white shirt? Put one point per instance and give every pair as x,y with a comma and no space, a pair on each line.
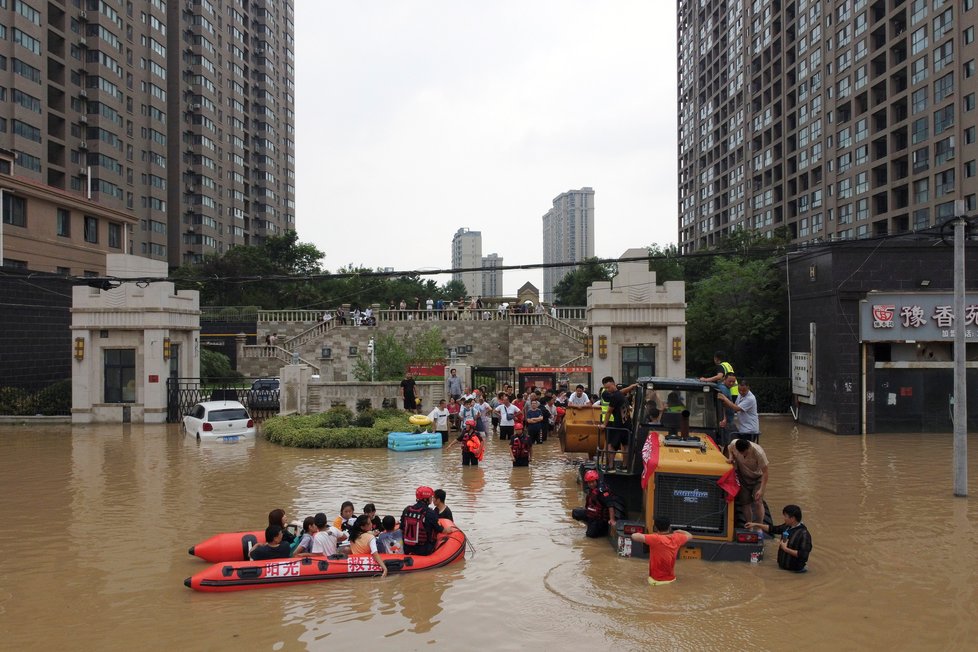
578,398
507,416
439,420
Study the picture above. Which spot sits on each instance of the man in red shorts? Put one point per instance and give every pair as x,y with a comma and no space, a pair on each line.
664,544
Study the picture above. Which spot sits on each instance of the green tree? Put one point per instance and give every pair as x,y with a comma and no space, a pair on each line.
666,262
391,359
740,308
215,366
430,347
572,289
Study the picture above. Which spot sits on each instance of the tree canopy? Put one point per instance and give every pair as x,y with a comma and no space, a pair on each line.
572,289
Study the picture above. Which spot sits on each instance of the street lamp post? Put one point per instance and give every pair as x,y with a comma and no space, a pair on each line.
960,379
373,364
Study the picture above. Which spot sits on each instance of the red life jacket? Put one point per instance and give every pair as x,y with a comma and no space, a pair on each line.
520,449
596,510
412,525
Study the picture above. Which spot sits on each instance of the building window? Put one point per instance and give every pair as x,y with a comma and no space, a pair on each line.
64,223
969,169
921,159
63,271
943,151
943,119
944,183
115,235
918,40
921,193
969,136
921,128
919,100
862,182
862,209
862,154
921,218
637,361
14,210
91,229
943,87
918,70
120,376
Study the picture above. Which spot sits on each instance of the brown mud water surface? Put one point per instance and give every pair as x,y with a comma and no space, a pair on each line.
97,522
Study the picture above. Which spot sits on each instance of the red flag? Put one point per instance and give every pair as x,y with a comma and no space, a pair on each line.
650,453
729,483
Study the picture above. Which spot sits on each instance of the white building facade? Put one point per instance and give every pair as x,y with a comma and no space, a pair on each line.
568,235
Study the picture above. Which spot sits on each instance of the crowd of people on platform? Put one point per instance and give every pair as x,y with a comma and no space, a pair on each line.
415,533
473,308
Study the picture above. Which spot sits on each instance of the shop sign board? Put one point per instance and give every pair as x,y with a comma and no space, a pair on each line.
915,317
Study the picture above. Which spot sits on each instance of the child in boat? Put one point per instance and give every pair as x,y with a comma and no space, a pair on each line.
341,522
304,547
364,542
390,541
275,547
371,511
326,540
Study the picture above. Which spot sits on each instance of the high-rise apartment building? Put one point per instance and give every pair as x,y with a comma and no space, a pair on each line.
492,276
180,114
467,254
835,120
568,235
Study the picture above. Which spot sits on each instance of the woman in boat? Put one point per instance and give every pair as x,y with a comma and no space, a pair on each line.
277,517
363,541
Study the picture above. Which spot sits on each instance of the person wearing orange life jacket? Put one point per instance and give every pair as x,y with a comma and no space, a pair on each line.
473,446
419,524
521,448
601,507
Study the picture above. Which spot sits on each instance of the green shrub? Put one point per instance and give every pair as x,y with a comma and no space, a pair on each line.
337,417
215,367
12,400
773,394
55,399
312,431
365,419
249,312
229,313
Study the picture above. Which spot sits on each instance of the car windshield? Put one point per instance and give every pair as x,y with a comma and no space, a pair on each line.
660,402
230,414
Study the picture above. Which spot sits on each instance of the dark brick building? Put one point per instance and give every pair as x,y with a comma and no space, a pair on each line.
35,317
875,386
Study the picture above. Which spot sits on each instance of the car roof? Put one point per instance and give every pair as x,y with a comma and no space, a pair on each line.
220,405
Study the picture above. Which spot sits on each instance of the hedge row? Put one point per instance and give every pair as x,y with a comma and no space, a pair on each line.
336,428
53,400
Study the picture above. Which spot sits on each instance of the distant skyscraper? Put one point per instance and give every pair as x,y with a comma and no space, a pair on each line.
179,114
492,276
827,120
467,254
568,235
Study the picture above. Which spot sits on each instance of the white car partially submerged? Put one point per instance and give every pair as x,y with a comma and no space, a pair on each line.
224,421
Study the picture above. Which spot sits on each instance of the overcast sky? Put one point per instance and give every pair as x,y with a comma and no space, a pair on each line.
417,118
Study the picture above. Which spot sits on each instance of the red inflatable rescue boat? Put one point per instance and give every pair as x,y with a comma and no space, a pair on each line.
241,575
229,546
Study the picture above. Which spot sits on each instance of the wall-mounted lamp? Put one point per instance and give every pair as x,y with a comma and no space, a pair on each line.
79,348
166,348
353,350
677,349
925,283
589,346
602,346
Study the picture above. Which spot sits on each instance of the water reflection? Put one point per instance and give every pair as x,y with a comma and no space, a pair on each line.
116,508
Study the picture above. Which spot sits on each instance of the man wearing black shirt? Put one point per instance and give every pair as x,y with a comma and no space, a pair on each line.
795,543
407,393
613,402
273,548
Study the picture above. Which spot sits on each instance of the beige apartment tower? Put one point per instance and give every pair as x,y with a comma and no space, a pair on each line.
830,120
568,235
177,114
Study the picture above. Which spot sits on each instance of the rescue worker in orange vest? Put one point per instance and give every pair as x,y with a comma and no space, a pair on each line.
420,525
601,507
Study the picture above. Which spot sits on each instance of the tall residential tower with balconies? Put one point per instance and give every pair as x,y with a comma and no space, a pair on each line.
568,235
831,120
180,114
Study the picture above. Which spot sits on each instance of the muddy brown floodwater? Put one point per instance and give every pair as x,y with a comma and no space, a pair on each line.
95,524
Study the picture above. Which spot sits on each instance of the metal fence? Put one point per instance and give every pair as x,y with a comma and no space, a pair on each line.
184,393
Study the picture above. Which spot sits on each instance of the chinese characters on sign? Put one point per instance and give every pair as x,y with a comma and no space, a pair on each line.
282,569
920,317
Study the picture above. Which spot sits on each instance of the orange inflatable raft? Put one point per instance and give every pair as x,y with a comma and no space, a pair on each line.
242,575
229,546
